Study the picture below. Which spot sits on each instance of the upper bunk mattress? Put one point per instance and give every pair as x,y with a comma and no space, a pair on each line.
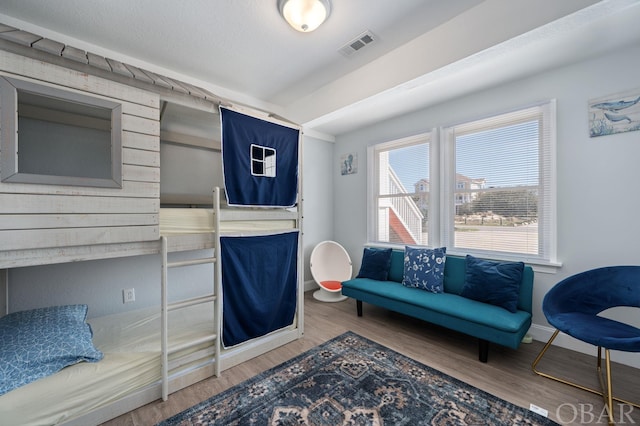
200,220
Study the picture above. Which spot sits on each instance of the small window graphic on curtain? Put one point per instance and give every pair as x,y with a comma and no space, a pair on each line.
263,161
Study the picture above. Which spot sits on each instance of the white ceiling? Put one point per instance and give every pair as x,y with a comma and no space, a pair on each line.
426,51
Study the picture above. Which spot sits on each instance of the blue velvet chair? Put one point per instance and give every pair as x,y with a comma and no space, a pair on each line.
572,307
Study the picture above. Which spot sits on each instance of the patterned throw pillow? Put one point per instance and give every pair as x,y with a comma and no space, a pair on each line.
40,342
424,268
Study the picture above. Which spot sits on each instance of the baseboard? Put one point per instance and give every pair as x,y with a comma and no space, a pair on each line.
543,334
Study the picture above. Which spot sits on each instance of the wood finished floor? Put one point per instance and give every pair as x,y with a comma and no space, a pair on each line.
507,375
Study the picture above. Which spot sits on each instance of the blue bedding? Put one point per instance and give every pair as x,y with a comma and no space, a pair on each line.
40,342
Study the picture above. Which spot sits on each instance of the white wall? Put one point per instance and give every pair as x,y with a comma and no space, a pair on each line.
99,283
317,184
597,199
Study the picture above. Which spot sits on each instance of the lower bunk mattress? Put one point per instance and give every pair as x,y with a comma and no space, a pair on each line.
130,343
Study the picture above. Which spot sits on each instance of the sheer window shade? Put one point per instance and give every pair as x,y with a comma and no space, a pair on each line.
485,187
499,180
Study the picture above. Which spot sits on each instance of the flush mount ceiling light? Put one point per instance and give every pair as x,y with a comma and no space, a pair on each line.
304,15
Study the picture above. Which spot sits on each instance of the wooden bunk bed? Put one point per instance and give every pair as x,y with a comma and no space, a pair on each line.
189,229
149,353
164,350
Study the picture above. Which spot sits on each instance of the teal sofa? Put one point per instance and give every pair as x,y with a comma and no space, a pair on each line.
489,323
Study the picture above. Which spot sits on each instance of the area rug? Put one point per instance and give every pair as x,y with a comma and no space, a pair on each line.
351,380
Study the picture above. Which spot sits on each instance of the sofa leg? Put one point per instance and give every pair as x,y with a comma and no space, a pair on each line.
483,350
359,307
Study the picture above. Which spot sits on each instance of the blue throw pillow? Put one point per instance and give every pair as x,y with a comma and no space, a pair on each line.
375,264
424,268
496,283
40,342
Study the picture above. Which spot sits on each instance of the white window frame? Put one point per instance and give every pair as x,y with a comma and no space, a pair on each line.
442,182
373,181
547,185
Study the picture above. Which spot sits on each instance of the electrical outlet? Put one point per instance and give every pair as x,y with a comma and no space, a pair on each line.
128,295
539,410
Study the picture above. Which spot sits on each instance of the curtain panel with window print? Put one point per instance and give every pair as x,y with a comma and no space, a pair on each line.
260,161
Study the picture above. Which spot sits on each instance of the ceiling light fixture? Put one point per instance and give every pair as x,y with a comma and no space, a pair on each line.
304,15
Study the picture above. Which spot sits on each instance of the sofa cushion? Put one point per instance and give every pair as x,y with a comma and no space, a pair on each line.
424,268
497,283
396,270
375,263
432,306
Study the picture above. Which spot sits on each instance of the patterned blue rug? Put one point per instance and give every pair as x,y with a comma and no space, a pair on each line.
351,380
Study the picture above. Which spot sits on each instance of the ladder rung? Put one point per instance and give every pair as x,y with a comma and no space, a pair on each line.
191,302
191,262
208,338
204,353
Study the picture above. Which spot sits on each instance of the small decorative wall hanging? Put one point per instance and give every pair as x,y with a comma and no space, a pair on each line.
617,113
349,164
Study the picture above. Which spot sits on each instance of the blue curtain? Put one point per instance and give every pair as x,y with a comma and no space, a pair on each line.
259,285
260,161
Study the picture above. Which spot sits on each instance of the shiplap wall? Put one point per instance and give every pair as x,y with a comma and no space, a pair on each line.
49,223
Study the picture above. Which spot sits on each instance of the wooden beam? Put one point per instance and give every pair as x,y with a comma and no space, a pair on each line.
163,108
32,257
119,73
156,79
5,28
119,68
197,141
49,46
4,292
98,61
21,37
74,54
138,74
60,204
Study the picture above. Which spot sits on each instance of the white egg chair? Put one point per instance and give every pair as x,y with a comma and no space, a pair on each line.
330,264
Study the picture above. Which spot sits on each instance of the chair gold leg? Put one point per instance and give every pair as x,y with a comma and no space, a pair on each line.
541,354
606,389
609,389
557,379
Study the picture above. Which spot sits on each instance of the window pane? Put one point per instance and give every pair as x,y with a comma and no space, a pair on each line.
410,165
496,188
400,221
506,156
403,193
504,221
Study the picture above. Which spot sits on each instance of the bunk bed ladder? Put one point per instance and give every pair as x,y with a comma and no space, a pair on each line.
168,307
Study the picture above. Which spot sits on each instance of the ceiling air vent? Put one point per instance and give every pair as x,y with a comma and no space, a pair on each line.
358,43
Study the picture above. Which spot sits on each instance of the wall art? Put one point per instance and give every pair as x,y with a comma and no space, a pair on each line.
349,163
616,113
